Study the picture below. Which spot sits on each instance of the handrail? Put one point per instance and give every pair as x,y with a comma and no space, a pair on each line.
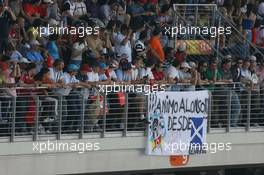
43,86
236,30
204,5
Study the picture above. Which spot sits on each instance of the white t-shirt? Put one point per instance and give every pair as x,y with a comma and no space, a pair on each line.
112,75
93,77
72,6
184,75
245,73
56,75
134,74
172,72
146,72
68,79
77,47
261,8
80,9
122,49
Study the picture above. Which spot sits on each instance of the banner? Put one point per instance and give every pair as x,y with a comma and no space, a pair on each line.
177,122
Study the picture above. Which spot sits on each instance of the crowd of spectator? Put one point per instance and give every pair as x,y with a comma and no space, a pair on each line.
129,48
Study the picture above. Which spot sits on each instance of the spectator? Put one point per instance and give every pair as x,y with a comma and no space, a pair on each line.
124,71
186,76
181,53
26,105
173,75
158,74
169,57
260,73
111,70
50,112
202,68
102,72
79,47
93,8
73,98
236,73
227,77
123,42
136,66
213,75
68,9
52,46
95,43
6,17
245,73
34,54
80,9
140,48
248,21
146,72
156,49
58,78
138,13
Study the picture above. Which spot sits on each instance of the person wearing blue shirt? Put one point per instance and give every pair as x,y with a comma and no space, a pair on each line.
52,47
34,54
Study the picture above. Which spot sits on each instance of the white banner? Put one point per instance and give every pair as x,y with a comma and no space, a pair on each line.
177,122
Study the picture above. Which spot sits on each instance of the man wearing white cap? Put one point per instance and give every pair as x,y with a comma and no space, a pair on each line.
185,76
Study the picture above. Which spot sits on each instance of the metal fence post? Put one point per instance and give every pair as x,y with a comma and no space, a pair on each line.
82,118
60,118
13,125
126,116
35,135
147,115
229,108
248,110
104,116
209,112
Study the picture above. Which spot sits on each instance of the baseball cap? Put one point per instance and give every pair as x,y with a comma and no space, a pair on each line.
72,67
48,1
252,58
85,68
192,64
24,60
114,64
185,65
139,48
102,65
34,42
228,57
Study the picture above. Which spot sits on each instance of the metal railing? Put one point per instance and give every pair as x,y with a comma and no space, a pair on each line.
34,116
209,15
